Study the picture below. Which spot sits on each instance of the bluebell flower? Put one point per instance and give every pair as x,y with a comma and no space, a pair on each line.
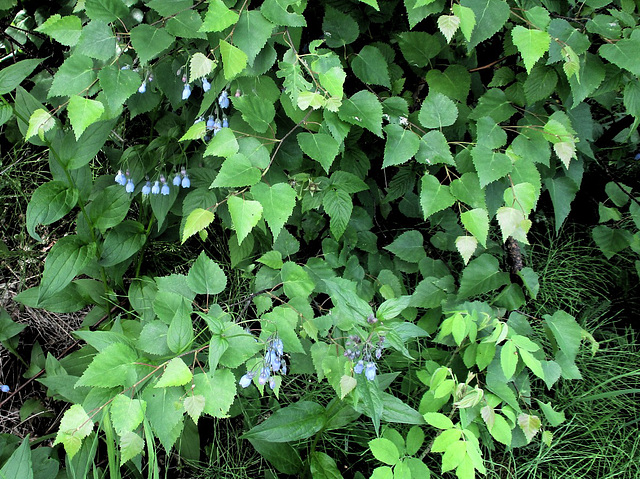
142,88
146,189
245,381
186,91
272,382
165,190
129,187
216,126
206,86
210,122
120,178
359,367
176,180
186,182
370,371
5,389
223,99
265,373
225,122
155,189
275,364
199,119
283,369
637,157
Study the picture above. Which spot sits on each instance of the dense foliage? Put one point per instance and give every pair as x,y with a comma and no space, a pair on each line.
350,172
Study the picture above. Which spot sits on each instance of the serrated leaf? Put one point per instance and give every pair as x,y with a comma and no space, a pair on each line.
205,276
131,445
83,112
149,42
401,145
482,275
363,109
40,122
467,20
476,222
218,17
236,171
466,246
623,53
529,424
418,47
500,430
114,366
513,223
65,30
194,406
409,246
490,165
434,196
278,202
245,214
105,10
118,84
448,25
437,111
434,149
532,44
370,66
224,144
338,205
320,147
74,427
97,41
251,33
176,373
490,16
384,451
277,12
126,413
292,423
200,66
197,220
234,60
259,112
347,384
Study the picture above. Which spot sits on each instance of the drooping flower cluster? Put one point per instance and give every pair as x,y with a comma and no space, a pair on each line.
272,363
363,354
125,180
158,187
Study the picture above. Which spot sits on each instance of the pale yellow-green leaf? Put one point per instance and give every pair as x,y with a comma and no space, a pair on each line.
131,444
40,122
74,427
347,384
195,131
200,66
194,405
197,220
513,223
177,373
448,25
311,99
565,151
529,424
466,245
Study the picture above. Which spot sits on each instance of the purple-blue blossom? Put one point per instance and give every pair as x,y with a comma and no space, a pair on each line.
129,187
176,180
223,99
4,388
225,122
146,189
245,381
206,86
142,88
120,178
155,189
186,182
370,371
165,190
186,91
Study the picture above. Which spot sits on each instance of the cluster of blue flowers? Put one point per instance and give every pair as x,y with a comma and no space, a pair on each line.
4,388
159,187
364,352
272,363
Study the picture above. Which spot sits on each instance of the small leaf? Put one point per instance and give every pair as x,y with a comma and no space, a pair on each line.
347,384
194,406
434,196
438,420
529,424
176,373
466,246
384,451
74,427
448,25
83,113
234,60
532,44
218,17
40,122
197,220
437,111
236,171
509,359
245,214
149,41
206,277
278,202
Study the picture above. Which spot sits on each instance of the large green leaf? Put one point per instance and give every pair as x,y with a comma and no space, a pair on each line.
165,413
363,109
114,366
97,41
490,165
73,77
418,47
437,111
197,220
122,242
205,276
434,196
370,66
341,29
624,53
251,34
19,463
118,84
218,17
236,171
532,44
562,191
491,15
65,30
409,246
13,75
50,202
149,41
401,145
219,390
338,205
292,423
109,207
234,60
65,261
106,10
257,111
611,240
476,221
481,276
319,146
245,214
277,202
83,112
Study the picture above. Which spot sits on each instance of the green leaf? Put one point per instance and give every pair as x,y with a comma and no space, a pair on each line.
167,8
197,131
131,444
245,214
186,24
118,84
74,427
114,366
73,77
489,134
418,47
106,10
409,246
126,413
501,431
476,222
149,42
448,25
338,205
521,196
13,75
555,418
272,259
83,113
466,246
40,122
529,424
251,34
323,466
493,103
541,83
467,20
278,202
382,472
438,420
65,30
467,189
532,44
122,242
176,373
236,171
206,277
384,451
234,60
513,223
490,165
276,11
562,191
481,276
180,333
259,112
197,220
401,145
200,66
623,53
363,109
292,423
109,207
509,359
50,202
194,406
566,332
224,144
97,41
490,16
164,413
65,261
218,17
296,280
370,66
320,147
340,28
434,196
372,3
437,111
